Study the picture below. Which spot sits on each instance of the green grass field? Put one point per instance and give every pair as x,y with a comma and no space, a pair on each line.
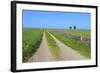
83,48
32,38
31,41
84,33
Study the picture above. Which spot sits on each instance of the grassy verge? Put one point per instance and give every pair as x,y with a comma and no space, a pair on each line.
53,47
31,41
83,48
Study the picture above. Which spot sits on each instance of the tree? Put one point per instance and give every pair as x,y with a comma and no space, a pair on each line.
70,27
74,27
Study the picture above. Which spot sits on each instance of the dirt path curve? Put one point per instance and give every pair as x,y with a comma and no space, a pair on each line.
66,52
43,53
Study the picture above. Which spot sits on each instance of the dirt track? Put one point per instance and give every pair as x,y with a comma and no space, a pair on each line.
43,53
66,52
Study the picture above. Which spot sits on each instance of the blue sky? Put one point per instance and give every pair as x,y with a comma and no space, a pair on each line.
53,19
